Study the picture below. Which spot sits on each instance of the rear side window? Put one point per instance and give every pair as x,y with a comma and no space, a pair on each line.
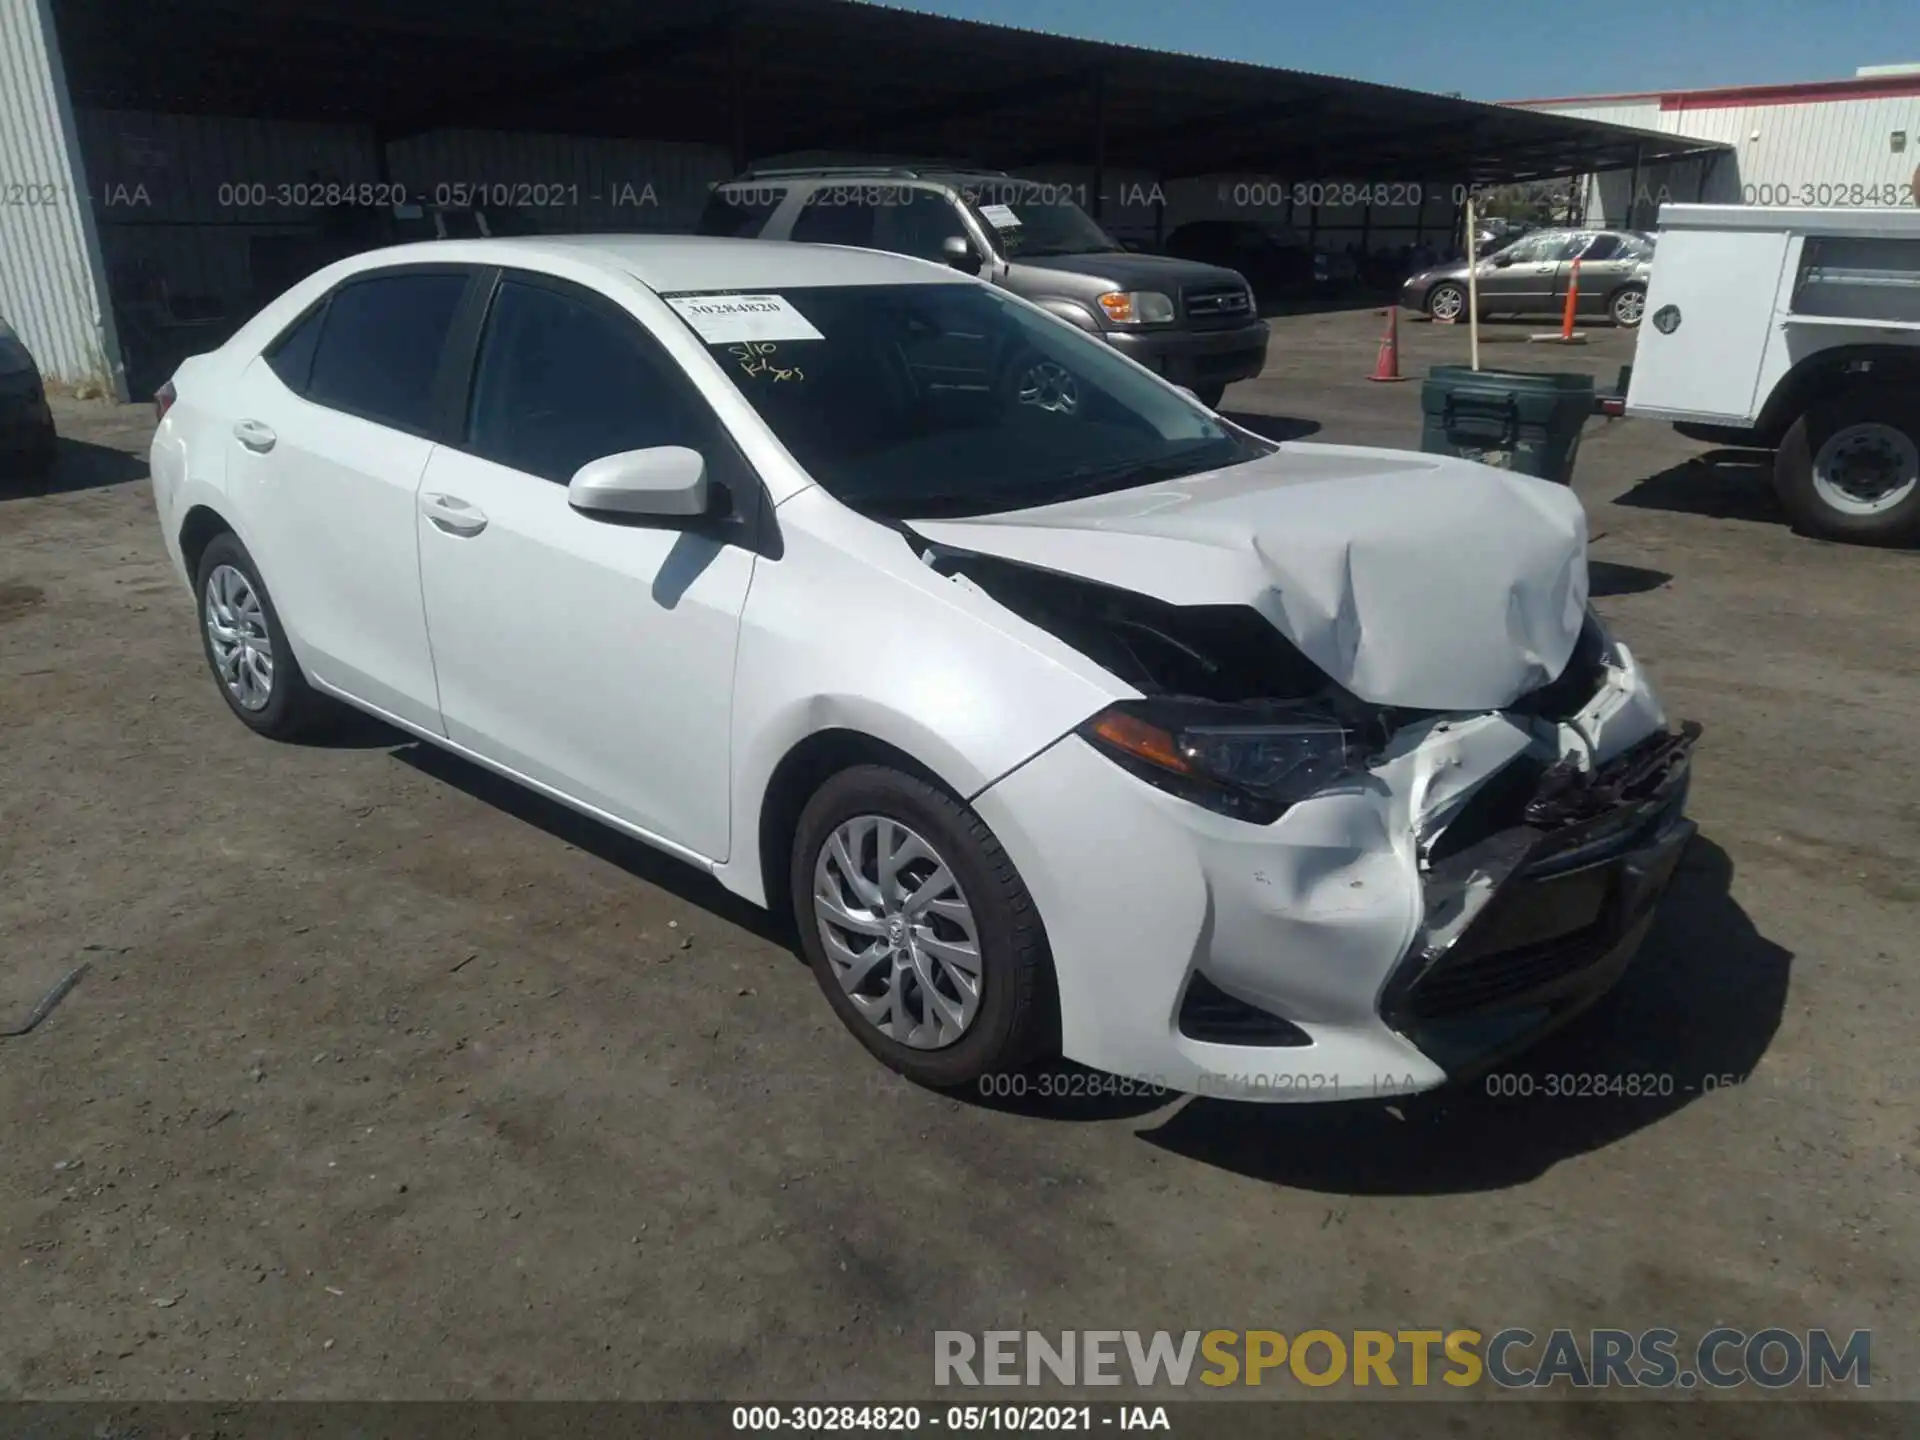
740,211
1604,247
379,350
562,381
838,215
291,356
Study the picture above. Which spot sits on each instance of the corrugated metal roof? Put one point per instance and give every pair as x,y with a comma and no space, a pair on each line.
50,289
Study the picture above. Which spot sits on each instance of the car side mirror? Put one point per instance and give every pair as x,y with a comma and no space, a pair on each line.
668,481
958,252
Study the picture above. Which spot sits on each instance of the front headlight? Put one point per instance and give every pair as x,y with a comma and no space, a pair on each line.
1137,307
1251,767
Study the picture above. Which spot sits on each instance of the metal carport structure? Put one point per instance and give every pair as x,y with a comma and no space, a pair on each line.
744,80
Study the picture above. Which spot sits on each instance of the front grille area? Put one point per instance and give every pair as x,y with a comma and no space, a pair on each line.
1555,931
1216,306
1536,892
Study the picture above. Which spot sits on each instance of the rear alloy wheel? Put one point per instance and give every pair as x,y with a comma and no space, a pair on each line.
1627,307
1447,301
1849,470
919,929
246,647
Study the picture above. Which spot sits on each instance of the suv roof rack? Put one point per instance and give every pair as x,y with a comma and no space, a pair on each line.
895,172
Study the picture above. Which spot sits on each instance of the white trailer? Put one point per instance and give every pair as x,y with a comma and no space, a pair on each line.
1797,331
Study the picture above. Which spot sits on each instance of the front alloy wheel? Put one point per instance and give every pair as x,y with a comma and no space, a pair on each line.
898,932
919,930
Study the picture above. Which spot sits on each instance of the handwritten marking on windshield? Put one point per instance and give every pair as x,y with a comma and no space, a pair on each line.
759,358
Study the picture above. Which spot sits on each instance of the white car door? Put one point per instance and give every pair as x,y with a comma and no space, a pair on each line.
330,435
590,655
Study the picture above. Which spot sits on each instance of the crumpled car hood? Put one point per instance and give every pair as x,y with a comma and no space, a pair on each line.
1412,580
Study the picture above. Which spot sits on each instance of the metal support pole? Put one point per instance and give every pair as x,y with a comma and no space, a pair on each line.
736,100
1099,142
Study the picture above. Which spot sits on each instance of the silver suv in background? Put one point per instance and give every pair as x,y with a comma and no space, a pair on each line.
1193,323
1531,277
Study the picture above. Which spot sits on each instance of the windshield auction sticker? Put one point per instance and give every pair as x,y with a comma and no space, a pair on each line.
1001,217
733,319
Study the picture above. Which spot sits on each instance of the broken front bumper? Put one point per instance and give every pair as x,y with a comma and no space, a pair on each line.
1529,922
1455,903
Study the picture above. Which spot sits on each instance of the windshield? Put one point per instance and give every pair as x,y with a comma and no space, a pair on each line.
1032,220
908,401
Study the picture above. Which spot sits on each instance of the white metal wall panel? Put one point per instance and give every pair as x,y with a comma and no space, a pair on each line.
51,288
1813,152
564,182
1819,153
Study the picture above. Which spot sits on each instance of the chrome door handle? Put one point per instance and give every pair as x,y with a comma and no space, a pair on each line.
255,435
454,516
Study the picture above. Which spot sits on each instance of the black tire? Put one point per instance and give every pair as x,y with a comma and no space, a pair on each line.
1631,299
293,707
1014,1024
1210,395
1447,287
1793,479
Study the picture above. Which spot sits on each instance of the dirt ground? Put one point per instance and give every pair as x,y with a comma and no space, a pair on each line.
388,1080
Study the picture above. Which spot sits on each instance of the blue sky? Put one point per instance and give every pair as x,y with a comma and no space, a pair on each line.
1499,49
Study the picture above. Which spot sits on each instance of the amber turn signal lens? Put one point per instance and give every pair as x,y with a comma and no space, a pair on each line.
1136,737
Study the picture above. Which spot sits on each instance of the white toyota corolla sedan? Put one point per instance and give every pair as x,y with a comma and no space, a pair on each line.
1065,715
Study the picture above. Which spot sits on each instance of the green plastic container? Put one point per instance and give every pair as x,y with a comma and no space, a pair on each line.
1525,422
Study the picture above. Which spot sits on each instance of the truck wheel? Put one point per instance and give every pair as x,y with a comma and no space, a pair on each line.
1210,395
1849,469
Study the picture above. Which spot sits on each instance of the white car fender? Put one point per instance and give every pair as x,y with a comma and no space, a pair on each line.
849,630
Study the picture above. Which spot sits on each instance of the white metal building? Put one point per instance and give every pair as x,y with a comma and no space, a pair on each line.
1853,142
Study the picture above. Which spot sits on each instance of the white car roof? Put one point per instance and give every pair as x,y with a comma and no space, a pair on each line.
686,262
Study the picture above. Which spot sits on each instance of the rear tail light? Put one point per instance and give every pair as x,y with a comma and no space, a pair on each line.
163,399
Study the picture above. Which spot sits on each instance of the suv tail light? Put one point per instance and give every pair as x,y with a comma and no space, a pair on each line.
163,399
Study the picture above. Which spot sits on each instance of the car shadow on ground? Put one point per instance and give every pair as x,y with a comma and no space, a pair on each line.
1279,307
78,465
1273,427
639,860
1608,577
1720,484
1700,1004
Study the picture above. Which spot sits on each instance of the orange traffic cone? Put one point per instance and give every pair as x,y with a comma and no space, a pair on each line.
1386,365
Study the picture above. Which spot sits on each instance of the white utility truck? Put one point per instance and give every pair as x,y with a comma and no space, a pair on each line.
1797,331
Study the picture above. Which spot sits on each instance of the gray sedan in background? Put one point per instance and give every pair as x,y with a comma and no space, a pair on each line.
1531,277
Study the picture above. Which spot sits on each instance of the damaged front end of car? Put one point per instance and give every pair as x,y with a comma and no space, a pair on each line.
1496,869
